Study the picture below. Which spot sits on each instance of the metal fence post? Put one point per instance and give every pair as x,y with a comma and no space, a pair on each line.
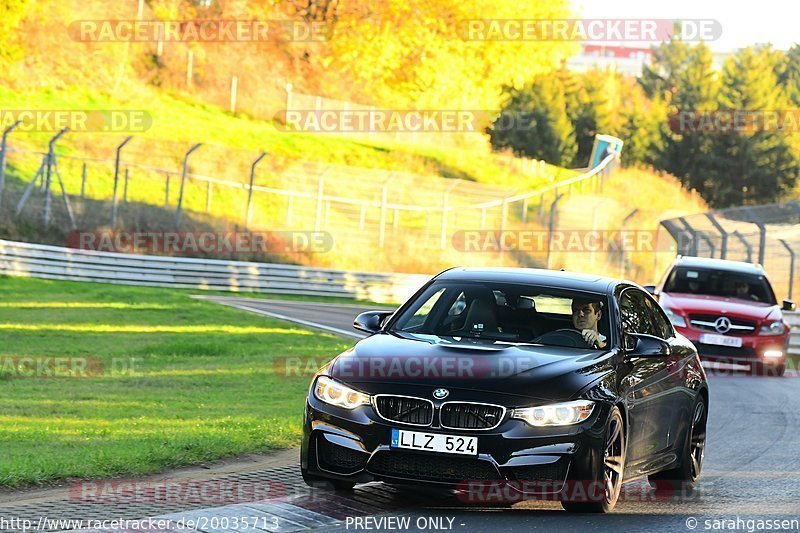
51,155
723,234
116,182
622,249
234,90
125,187
503,217
83,180
250,191
746,245
3,159
551,226
762,234
692,233
381,229
445,201
179,210
791,265
318,214
525,210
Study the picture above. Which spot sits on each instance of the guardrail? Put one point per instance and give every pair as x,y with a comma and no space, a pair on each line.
793,319
54,262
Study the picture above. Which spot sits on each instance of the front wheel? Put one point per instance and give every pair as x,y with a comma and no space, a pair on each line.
690,463
611,470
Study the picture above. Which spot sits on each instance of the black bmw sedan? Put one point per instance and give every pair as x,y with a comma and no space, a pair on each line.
534,383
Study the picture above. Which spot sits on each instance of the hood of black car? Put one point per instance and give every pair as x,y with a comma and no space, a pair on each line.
385,363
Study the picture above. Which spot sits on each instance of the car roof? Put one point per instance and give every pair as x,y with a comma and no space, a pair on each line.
533,276
719,264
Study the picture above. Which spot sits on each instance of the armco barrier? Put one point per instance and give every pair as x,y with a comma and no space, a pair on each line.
53,262
793,319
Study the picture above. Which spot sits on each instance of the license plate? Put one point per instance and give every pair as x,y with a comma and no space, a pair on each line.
721,340
434,442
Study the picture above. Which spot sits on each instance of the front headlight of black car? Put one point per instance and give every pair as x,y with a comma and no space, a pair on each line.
557,414
334,393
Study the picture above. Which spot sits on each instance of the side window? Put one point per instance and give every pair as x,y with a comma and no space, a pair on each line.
634,314
660,321
458,306
422,313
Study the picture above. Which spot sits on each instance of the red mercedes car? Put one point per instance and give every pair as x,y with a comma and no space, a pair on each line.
728,310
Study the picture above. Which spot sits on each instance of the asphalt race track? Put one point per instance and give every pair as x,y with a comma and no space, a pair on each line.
751,473
334,318
751,470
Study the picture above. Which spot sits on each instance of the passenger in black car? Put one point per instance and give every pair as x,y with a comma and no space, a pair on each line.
585,317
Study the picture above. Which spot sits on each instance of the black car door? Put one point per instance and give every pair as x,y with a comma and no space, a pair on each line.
677,398
643,385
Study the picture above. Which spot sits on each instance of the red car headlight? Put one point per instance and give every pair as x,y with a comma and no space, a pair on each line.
776,327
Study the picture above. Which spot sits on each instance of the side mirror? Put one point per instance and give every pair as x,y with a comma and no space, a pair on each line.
370,321
643,345
789,305
651,289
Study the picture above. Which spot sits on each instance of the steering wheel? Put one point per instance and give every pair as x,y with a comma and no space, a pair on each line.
562,337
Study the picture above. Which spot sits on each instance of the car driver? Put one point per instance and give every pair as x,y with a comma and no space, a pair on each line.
585,317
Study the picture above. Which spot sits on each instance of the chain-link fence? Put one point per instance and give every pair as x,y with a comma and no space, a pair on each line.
765,234
394,212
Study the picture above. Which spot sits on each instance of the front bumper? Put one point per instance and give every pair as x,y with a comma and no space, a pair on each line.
751,352
355,446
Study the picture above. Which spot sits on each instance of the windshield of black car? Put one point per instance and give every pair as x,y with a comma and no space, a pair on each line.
721,283
508,312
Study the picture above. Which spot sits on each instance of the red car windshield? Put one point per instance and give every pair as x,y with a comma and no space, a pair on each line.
720,283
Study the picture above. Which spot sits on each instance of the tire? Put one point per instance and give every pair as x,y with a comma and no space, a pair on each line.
612,468
684,476
321,483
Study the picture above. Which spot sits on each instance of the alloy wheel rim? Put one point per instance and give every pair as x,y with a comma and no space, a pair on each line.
613,460
697,444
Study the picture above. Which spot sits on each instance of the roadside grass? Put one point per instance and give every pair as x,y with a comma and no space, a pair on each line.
149,189
232,142
183,381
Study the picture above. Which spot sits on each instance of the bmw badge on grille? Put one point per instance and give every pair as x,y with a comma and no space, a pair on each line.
440,394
